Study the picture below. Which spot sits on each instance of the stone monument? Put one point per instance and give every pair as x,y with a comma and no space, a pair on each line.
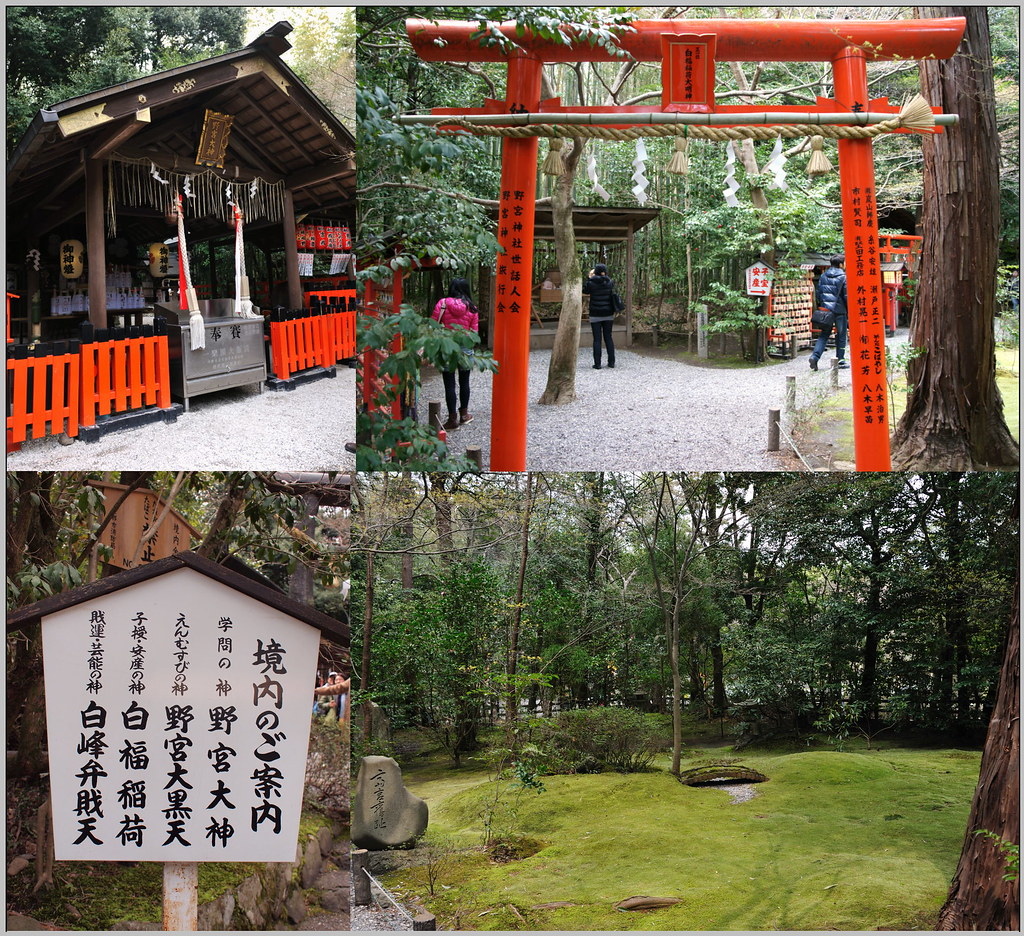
386,814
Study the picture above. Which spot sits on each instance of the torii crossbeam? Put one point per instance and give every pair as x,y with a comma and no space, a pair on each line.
688,50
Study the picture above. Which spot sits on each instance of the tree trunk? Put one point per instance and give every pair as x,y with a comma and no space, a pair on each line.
677,686
954,419
409,531
364,671
561,385
719,700
443,513
979,898
512,699
216,545
300,584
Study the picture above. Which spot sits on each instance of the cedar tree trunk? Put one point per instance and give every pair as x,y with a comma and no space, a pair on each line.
561,385
954,419
979,898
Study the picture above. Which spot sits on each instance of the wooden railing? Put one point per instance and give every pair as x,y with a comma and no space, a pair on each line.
59,387
42,391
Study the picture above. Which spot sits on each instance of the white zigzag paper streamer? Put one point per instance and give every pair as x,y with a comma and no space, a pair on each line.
592,175
156,175
186,187
731,185
776,166
640,165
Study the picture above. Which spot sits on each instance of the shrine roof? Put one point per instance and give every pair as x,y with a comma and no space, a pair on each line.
328,626
595,225
281,131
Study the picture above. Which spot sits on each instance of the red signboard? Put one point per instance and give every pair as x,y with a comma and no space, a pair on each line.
688,74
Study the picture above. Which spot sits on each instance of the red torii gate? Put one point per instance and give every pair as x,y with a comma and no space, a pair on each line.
688,49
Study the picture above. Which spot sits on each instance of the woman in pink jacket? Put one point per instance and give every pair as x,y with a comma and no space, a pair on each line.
454,310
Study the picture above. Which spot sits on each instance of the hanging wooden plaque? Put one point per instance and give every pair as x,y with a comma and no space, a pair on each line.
213,144
688,74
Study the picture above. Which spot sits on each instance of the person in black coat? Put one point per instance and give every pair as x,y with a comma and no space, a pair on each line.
832,296
601,289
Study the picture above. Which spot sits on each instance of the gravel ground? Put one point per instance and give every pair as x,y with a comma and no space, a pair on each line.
741,792
648,413
304,429
375,918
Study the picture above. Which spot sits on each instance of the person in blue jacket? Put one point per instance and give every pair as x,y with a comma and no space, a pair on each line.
831,295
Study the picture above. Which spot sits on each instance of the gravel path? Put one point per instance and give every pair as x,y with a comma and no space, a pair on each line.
647,413
376,918
304,429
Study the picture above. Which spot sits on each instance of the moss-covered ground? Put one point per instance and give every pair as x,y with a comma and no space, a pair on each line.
861,839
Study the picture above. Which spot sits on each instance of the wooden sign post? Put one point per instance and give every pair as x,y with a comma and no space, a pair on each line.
178,712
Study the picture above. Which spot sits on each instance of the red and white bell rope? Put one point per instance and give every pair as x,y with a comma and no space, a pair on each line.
186,294
243,304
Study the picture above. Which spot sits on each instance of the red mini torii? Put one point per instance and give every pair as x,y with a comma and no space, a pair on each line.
688,49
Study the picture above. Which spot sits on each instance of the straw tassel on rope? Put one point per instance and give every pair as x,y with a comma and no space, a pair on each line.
554,165
818,164
243,304
679,164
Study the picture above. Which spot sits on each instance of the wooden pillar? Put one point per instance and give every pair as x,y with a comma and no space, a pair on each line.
291,253
33,296
630,286
96,243
866,339
211,253
514,280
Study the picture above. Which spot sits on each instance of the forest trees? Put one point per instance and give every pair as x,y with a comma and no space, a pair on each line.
57,52
775,600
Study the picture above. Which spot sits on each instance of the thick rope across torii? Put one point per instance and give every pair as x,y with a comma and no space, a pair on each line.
243,304
916,114
186,294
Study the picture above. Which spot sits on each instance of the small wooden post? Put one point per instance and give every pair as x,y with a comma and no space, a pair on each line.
434,414
833,375
424,921
360,882
773,430
181,896
792,347
475,454
790,395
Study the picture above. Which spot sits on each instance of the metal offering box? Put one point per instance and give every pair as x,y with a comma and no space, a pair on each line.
233,356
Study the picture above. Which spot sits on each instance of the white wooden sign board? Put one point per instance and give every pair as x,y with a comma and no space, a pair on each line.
177,713
759,279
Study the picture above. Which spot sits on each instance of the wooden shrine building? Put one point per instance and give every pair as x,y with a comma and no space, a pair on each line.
611,231
103,171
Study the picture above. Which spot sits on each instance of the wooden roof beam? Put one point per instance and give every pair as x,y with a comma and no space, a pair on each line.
322,172
123,130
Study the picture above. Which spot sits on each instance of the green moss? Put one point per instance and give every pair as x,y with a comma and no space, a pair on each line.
216,878
310,823
813,850
92,895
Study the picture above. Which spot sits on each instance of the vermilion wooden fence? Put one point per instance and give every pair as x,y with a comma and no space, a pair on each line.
42,391
305,338
296,341
124,369
59,387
